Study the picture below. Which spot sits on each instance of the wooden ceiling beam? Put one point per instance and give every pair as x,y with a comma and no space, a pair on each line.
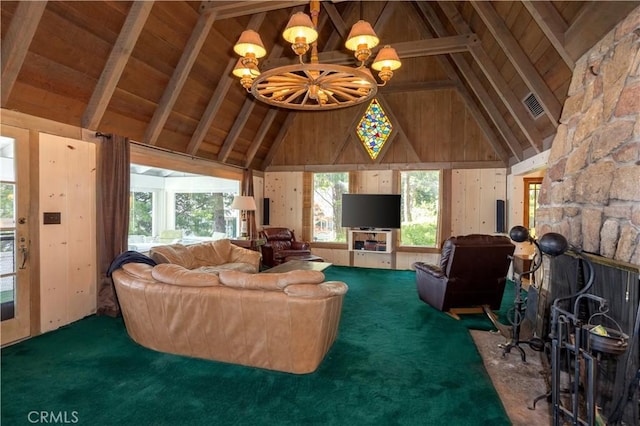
262,132
418,86
275,146
407,49
595,20
236,129
212,108
520,60
336,19
118,58
218,95
232,9
476,86
552,25
399,131
491,72
179,78
15,44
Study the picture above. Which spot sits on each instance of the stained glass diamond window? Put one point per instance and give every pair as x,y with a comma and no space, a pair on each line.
374,129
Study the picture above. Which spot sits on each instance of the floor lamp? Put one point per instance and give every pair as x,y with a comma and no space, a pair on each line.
243,203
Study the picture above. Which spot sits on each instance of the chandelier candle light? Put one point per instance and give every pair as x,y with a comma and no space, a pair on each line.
313,85
243,203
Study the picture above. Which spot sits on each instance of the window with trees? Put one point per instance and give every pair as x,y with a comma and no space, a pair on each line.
168,206
420,191
327,206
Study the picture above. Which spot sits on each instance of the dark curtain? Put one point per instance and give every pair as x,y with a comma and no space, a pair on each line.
112,185
247,190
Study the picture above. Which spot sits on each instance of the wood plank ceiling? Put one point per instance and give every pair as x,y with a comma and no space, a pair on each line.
160,73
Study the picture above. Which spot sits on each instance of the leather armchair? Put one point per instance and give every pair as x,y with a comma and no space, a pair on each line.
472,273
280,243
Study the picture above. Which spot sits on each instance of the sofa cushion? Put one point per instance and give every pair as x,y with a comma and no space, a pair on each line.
171,273
269,281
233,266
174,253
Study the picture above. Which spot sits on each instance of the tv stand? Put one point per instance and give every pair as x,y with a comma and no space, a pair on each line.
371,240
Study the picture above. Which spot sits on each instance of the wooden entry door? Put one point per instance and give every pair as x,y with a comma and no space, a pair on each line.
15,244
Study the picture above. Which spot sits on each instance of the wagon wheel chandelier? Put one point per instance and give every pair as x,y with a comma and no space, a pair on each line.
314,85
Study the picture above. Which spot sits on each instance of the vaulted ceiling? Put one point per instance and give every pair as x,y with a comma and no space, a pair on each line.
160,72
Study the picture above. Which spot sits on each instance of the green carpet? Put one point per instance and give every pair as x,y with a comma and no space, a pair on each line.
396,361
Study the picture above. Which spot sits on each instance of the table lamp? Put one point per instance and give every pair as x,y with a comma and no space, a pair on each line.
243,203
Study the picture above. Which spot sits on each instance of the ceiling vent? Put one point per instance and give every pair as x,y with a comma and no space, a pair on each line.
533,105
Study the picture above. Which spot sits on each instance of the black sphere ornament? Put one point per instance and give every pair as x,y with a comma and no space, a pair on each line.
519,234
553,244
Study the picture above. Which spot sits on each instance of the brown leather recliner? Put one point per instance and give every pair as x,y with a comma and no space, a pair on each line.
472,273
281,242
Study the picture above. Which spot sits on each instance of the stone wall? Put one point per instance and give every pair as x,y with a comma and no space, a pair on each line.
591,192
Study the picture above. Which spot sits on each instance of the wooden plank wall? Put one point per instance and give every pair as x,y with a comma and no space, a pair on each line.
68,250
473,200
474,192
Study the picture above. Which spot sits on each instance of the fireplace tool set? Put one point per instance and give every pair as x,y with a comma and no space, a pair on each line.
576,344
520,322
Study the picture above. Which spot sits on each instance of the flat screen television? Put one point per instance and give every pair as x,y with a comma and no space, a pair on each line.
369,211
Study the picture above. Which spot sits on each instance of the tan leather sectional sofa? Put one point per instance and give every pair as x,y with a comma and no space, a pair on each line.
285,322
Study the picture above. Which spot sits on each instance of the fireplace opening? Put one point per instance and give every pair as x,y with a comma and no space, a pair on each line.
616,374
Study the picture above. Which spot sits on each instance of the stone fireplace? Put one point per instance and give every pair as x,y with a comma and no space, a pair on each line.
591,195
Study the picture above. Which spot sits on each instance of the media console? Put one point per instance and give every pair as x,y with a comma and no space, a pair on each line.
379,241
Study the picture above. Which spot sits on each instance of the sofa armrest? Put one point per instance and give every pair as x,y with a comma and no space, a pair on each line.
243,255
282,254
315,291
300,245
428,269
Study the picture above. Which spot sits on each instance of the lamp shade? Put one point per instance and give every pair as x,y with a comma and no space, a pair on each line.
250,43
240,70
243,202
361,34
387,58
300,27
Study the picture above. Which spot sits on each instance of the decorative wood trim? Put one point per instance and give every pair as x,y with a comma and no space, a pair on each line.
307,206
15,44
481,93
445,226
179,77
231,9
349,136
519,59
26,121
114,67
407,49
388,166
552,25
491,72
